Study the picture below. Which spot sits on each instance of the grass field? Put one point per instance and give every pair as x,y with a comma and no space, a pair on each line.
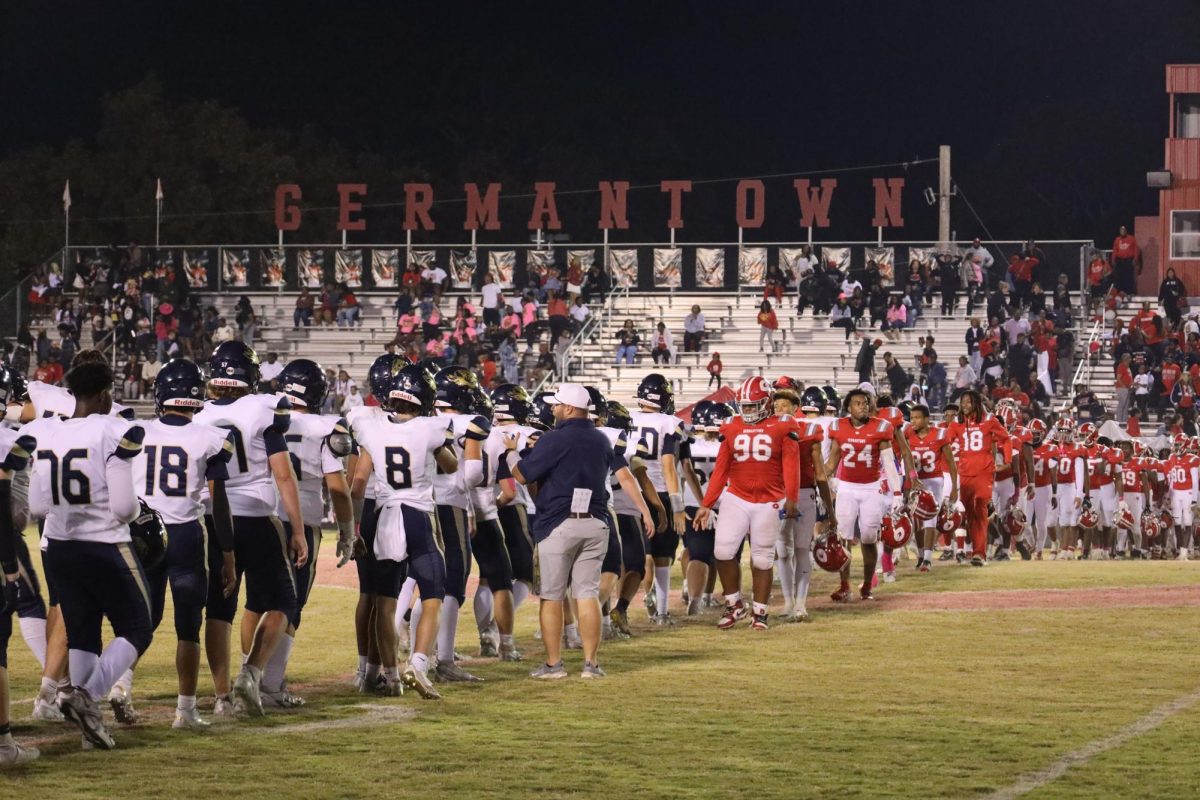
911,696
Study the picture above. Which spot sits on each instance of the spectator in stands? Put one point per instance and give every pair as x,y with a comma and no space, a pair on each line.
243,310
896,318
353,400
949,278
1171,296
224,332
997,303
627,343
596,284
1125,255
43,372
768,323
304,309
965,377
1183,396
508,359
1143,387
839,317
1133,425
410,282
433,281
775,283
1099,277
270,370
1037,299
1124,386
662,345
574,279
150,368
529,318
858,307
714,370
490,293
349,312
551,283
693,330
131,380
557,314
542,367
864,363
330,299
1087,406
1016,326
1021,361
579,314
341,388
897,376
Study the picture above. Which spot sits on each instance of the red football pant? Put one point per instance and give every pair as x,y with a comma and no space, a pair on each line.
976,494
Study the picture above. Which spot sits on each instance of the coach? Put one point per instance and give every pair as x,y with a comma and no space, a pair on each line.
571,465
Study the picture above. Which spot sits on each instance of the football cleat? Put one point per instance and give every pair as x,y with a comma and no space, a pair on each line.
12,753
487,646
281,699
620,621
842,595
46,711
947,555
453,673
651,605
802,615
663,620
121,701
245,688
223,707
386,687
509,652
924,566
758,622
960,558
865,591
79,707
733,614
419,681
189,720
977,561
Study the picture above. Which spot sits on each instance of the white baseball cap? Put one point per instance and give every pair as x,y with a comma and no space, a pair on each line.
572,394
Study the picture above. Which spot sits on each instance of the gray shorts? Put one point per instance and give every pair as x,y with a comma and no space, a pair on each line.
572,554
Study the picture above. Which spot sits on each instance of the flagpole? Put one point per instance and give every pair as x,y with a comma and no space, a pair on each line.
66,227
158,201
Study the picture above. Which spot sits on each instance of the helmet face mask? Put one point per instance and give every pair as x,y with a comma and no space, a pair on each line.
617,416
455,389
511,402
655,392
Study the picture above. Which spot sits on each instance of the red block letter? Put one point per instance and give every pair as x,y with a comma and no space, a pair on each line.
676,188
544,208
346,206
887,202
287,216
483,211
612,205
743,190
814,203
418,198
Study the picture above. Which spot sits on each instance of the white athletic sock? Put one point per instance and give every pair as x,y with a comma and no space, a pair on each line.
277,665
787,578
48,690
117,659
447,629
245,659
506,640
125,681
707,596
185,702
605,622
420,662
733,599
482,604
926,554
412,626
662,585
760,609
33,630
521,592
82,663
406,596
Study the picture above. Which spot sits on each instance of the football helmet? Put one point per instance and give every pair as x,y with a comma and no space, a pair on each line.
1165,520
455,389
655,391
702,414
596,404
1125,518
721,413
234,365
179,384
512,401
618,417
481,404
754,398
1089,518
1064,430
950,518
1088,434
543,412
148,536
924,505
1009,416
379,376
1151,526
812,401
1180,443
1038,428
1014,521
303,381
7,389
829,553
411,384
784,382
895,530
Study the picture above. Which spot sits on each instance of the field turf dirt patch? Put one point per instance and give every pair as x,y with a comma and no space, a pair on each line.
1021,599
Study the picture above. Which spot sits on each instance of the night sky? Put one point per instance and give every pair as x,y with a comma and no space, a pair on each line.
1054,110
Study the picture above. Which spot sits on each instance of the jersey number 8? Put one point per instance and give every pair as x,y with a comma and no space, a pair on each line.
398,464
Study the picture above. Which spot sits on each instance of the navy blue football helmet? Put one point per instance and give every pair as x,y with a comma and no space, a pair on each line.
304,383
410,384
832,399
597,405
234,365
543,412
20,388
456,389
720,414
148,535
702,414
655,391
511,401
7,389
813,400
179,384
617,416
379,376
481,404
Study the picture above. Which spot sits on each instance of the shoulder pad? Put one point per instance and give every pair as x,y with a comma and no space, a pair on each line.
478,428
17,457
339,441
131,442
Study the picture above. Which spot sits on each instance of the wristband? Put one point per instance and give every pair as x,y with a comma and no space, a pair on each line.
511,459
346,530
677,501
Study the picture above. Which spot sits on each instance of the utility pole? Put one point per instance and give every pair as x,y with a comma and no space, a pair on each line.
944,198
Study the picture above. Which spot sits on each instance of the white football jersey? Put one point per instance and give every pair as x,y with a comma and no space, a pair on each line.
13,443
49,399
523,433
69,474
402,458
307,440
253,420
177,459
450,490
704,459
483,496
629,447
661,433
353,417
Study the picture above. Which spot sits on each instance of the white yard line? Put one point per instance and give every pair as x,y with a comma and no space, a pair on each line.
1035,780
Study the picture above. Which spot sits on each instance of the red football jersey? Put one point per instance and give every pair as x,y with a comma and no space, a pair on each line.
861,448
954,431
1067,458
927,451
1179,471
1045,461
1131,475
1102,464
978,439
809,433
759,462
1011,451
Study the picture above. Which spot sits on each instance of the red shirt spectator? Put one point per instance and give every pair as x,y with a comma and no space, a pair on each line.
412,278
1170,374
1132,426
1096,271
1124,377
1022,269
43,373
488,367
1125,247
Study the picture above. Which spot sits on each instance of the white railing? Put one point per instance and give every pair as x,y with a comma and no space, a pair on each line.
1083,370
600,320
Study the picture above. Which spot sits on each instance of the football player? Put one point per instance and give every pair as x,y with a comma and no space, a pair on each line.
512,408
317,444
1071,489
610,567
698,542
981,439
82,486
406,450
264,553
862,455
886,409
758,470
1182,468
933,458
1045,485
655,426
1011,481
1103,463
15,449
1135,494
179,459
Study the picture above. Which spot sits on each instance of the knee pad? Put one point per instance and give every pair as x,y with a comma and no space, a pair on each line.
762,557
727,551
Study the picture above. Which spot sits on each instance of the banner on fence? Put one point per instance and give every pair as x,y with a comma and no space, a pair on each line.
463,264
838,256
710,267
347,268
538,263
623,266
163,260
668,267
235,268
384,266
752,266
797,260
884,259
195,266
501,263
272,262
584,259
310,268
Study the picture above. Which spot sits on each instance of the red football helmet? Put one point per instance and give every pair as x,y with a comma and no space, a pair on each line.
1064,430
1008,416
1089,518
1088,433
1150,526
896,530
1165,521
924,505
1014,521
784,382
1125,518
754,398
950,519
1180,443
1038,428
829,553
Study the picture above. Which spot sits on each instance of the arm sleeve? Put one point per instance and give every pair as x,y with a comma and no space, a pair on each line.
122,500
8,535
473,472
719,477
